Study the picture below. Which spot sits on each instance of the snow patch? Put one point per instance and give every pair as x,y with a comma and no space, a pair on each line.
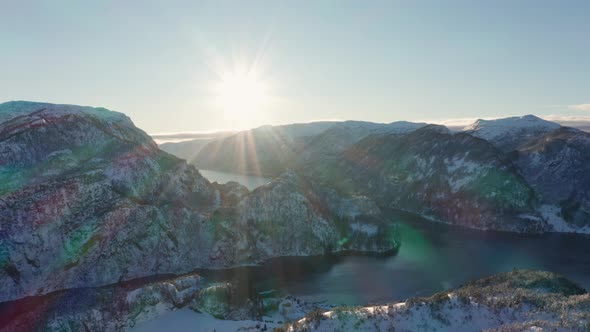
491,129
368,229
552,214
188,320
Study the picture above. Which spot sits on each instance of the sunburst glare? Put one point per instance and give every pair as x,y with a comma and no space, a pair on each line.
242,94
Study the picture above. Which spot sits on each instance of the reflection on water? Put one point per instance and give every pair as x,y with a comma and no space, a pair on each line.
251,182
433,257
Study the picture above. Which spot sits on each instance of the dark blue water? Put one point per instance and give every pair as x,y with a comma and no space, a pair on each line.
433,257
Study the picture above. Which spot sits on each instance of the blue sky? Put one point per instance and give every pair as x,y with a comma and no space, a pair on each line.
366,60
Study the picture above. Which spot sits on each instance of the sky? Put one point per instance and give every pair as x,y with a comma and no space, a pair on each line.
163,62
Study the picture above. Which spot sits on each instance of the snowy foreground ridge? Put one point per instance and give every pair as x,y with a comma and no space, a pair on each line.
520,300
515,301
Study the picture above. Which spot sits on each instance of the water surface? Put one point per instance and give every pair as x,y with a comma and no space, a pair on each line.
433,257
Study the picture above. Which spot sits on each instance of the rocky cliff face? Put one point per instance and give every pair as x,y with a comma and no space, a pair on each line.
87,199
557,165
455,178
552,159
261,225
515,301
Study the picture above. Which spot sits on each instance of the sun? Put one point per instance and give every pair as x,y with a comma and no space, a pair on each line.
241,94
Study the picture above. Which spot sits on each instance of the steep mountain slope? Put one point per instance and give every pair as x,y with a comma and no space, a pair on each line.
508,134
85,196
557,165
270,150
339,137
186,150
455,178
88,199
261,151
266,151
293,217
514,301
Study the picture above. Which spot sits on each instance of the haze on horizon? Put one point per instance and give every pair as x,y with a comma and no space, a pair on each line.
222,65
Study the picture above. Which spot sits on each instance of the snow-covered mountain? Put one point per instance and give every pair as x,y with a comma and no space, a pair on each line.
455,178
509,133
85,195
88,199
557,165
269,151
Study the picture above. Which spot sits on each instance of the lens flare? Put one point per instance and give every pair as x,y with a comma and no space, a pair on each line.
241,94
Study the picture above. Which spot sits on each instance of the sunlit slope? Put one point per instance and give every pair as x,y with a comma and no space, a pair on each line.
271,150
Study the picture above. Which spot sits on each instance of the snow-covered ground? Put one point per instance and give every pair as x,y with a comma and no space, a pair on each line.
551,213
493,129
515,301
188,320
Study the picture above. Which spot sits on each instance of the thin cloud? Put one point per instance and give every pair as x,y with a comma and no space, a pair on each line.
457,124
161,138
580,122
580,107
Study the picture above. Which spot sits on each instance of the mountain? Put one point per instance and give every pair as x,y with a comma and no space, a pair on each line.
85,196
270,150
186,150
265,151
187,145
456,178
329,157
553,160
88,199
521,300
508,134
557,165
164,138
341,136
262,151
292,216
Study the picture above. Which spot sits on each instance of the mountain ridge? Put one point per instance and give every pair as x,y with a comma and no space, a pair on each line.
83,199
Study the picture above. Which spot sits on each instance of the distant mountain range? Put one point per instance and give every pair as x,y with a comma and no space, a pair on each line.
519,173
87,199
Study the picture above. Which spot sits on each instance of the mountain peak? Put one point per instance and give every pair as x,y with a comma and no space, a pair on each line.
509,133
514,122
12,109
440,129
